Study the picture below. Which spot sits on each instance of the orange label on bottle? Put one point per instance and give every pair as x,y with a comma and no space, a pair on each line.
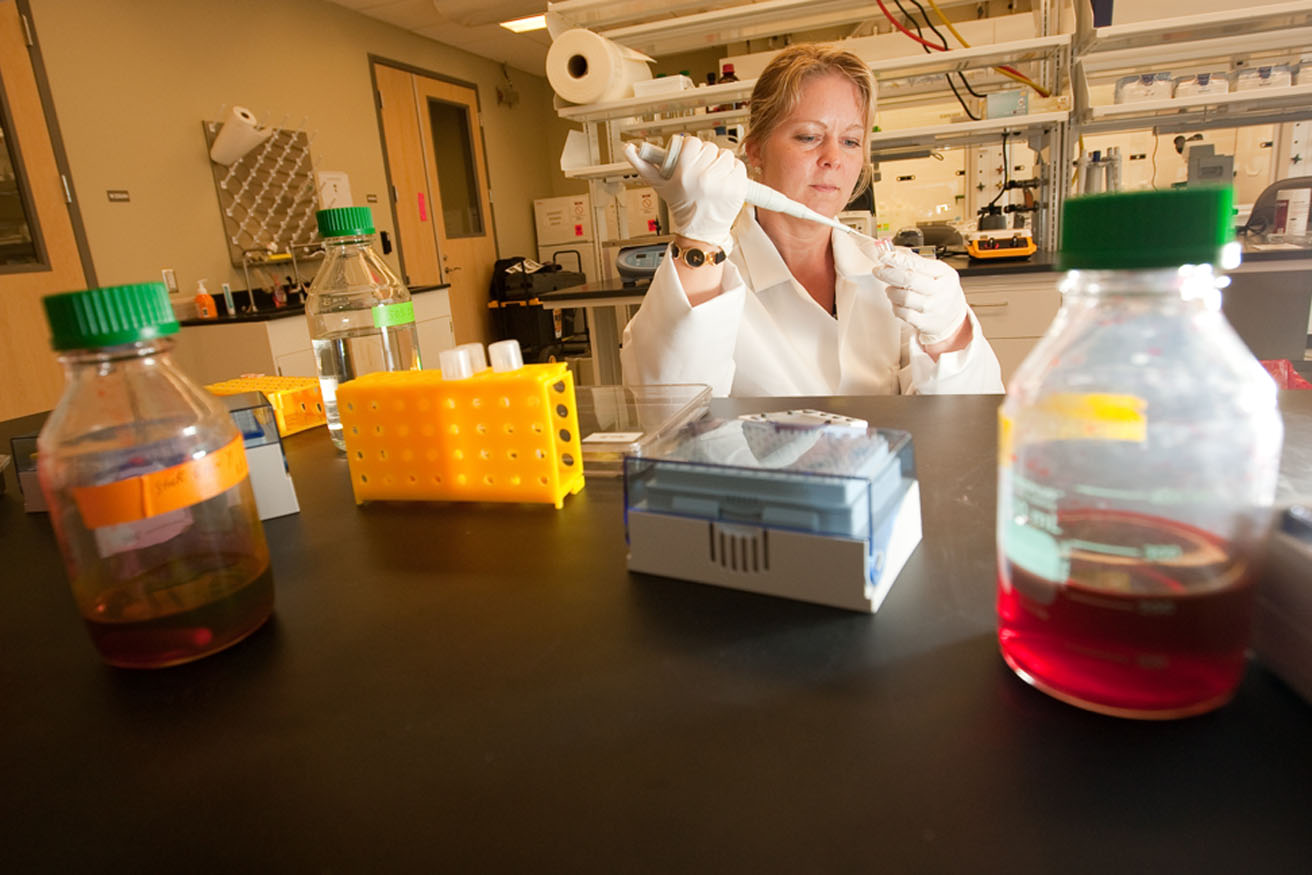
148,495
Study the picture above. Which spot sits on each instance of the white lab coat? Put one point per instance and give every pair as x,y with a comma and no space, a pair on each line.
765,335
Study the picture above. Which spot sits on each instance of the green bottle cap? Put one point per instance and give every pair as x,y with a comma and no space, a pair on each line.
345,222
110,316
1146,229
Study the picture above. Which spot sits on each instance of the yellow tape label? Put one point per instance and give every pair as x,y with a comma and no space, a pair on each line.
1004,439
1093,416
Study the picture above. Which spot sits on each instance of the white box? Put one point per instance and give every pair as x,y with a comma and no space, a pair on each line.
1145,87
1292,207
661,85
563,219
641,214
1278,76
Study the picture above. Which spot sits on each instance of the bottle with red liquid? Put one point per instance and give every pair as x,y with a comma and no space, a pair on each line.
1139,446
146,479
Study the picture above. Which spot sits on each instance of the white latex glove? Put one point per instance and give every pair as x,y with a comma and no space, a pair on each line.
925,293
705,193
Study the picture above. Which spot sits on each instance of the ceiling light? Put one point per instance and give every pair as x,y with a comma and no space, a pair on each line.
521,25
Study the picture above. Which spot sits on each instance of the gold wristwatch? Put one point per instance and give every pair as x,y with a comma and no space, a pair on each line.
694,257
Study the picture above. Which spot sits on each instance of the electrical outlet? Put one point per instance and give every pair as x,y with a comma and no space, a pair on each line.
170,281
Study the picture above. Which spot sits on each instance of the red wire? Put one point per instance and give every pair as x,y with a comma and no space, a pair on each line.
893,21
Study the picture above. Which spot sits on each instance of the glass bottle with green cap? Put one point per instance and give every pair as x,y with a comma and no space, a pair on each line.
360,314
1139,446
145,476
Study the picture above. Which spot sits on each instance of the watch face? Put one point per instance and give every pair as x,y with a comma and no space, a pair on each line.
694,257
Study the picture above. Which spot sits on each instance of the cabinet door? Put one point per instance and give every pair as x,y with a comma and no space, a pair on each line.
297,364
433,323
289,345
435,335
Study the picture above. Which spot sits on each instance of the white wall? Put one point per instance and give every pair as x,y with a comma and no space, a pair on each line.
132,80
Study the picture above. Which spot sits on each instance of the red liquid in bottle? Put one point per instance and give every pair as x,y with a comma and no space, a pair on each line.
1126,635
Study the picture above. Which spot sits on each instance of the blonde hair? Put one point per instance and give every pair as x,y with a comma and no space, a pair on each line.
778,91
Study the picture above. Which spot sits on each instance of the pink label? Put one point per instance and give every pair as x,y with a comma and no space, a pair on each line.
423,209
578,230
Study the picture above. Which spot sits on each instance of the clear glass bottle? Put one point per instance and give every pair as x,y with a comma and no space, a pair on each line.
1139,446
145,475
360,314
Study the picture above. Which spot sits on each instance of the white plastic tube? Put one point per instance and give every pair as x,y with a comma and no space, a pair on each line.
455,364
506,356
477,356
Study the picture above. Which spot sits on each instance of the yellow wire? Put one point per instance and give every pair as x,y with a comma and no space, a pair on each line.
1043,92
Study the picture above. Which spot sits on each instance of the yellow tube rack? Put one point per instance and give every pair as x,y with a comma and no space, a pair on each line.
296,401
512,436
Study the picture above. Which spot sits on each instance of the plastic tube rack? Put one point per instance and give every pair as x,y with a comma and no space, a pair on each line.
493,436
296,401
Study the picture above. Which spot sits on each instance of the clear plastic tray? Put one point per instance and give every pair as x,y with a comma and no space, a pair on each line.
619,421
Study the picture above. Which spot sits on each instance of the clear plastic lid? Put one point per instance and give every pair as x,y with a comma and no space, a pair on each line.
619,421
825,480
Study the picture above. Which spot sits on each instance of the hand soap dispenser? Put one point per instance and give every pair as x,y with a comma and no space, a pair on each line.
204,302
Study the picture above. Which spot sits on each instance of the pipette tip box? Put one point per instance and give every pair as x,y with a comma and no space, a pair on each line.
826,514
271,481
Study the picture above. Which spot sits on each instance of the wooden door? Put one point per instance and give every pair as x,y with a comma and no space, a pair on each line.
457,178
416,239
437,165
38,247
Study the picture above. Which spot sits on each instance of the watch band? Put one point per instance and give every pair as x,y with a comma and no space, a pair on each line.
694,257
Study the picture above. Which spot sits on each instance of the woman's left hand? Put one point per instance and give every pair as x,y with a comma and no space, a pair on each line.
926,294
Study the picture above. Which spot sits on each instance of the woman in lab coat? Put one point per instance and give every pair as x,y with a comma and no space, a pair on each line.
758,303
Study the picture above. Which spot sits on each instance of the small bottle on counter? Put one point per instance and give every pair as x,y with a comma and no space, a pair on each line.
146,479
205,308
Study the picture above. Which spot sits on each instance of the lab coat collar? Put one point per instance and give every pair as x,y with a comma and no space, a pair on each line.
763,267
755,255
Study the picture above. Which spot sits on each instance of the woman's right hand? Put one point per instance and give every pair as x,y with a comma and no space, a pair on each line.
704,194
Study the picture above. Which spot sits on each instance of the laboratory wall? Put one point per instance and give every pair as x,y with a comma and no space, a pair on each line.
131,83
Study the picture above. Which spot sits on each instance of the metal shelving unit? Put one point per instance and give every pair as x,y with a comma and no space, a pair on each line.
1061,62
1236,39
911,78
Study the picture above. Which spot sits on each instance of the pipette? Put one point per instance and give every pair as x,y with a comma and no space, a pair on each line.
757,194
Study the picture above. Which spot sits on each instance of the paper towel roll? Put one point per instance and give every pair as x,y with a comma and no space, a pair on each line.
240,133
584,67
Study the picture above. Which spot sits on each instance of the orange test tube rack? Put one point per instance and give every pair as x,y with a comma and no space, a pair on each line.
509,436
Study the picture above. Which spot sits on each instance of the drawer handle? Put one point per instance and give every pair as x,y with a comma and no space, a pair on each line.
997,306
